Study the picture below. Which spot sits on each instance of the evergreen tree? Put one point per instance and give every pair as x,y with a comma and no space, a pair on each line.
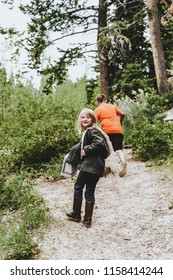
131,65
124,52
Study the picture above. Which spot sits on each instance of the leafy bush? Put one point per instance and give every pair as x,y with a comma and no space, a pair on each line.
152,140
13,193
144,128
19,245
24,210
133,110
37,130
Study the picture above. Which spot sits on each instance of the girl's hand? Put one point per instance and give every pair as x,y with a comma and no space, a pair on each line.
82,153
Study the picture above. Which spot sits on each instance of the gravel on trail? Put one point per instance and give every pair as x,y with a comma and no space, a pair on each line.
131,218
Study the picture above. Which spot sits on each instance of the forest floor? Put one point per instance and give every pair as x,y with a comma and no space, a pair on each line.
131,218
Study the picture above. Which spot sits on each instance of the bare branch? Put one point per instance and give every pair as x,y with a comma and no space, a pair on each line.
71,34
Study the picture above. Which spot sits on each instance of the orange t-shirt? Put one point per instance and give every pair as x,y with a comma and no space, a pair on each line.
108,114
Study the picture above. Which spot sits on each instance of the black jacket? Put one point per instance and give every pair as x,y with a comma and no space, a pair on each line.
94,145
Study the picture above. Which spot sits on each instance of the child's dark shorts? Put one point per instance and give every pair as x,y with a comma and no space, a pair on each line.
117,141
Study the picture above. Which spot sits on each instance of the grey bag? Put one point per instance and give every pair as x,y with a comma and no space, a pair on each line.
68,170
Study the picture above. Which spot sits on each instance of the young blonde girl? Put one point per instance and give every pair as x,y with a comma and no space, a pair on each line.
89,155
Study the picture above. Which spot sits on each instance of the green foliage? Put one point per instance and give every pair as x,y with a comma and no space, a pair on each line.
13,193
133,110
133,78
167,100
131,68
144,128
20,246
90,89
35,128
52,169
51,22
153,140
57,72
16,240
23,211
38,128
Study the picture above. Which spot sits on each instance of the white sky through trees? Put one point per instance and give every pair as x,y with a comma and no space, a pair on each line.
15,18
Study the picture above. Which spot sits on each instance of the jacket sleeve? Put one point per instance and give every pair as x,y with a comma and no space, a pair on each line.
97,143
74,155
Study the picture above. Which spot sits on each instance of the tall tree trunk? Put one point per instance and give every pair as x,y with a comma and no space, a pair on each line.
103,48
157,48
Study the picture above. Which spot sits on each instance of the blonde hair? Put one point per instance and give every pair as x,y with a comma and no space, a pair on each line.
88,112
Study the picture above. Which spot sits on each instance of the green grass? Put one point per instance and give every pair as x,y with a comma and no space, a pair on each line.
22,212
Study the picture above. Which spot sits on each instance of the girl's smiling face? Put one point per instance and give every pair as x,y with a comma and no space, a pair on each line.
86,120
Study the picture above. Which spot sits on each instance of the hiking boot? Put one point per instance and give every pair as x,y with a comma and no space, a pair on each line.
122,171
88,214
75,215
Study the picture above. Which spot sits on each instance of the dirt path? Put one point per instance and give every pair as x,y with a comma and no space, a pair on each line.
131,219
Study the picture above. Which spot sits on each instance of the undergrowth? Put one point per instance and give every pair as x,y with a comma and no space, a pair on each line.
37,130
22,211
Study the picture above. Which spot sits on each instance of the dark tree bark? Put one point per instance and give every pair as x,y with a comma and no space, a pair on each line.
103,47
157,48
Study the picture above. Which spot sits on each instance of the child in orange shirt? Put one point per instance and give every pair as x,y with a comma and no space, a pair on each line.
111,124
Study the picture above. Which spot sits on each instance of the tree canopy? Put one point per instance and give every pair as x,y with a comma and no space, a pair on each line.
122,49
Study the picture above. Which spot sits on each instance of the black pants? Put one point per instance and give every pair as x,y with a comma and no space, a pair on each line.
117,141
89,180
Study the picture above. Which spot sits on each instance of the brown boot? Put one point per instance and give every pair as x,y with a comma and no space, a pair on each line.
75,215
88,214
